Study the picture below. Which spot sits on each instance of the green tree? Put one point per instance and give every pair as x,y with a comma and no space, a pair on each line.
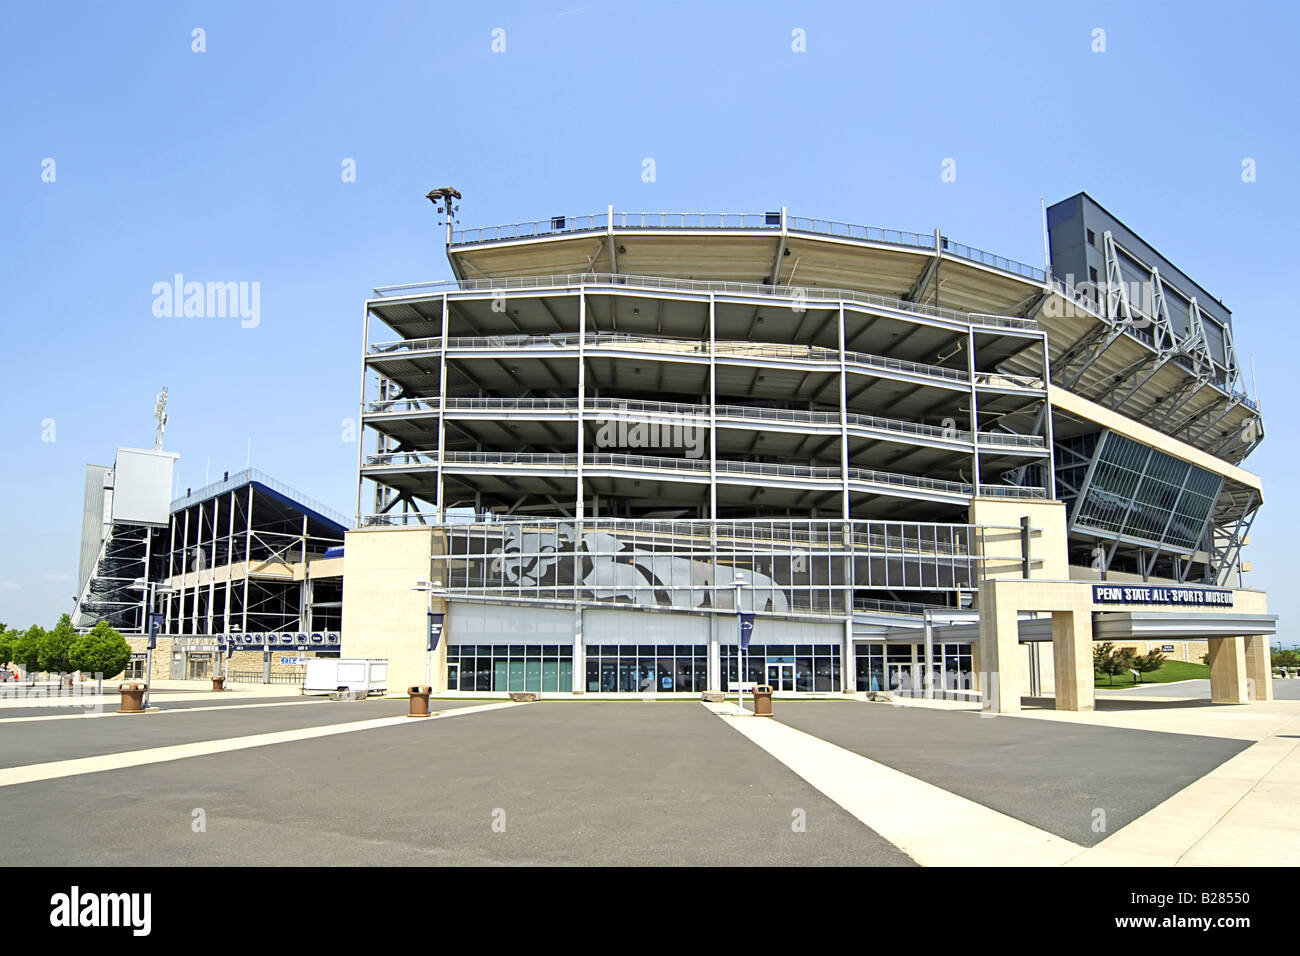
27,649
54,647
7,641
1106,660
101,651
1146,663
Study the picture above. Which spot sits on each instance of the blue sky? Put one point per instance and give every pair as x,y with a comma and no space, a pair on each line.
225,166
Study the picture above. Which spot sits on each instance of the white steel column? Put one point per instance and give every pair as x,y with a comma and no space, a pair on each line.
441,500
212,563
248,557
974,412
582,399
579,648
847,665
230,557
361,411
713,410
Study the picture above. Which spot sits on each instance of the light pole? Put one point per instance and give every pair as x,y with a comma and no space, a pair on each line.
430,588
738,583
151,589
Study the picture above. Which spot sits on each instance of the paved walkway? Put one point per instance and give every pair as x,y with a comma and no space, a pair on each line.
1185,783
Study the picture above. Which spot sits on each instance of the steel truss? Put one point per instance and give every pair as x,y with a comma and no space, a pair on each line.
1154,327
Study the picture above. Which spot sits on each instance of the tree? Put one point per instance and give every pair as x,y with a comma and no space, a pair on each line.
1146,663
54,647
27,649
1106,660
101,651
7,641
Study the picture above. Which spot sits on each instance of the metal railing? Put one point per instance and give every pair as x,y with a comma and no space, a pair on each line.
623,282
258,677
668,345
696,466
1012,491
696,414
600,222
242,478
1002,380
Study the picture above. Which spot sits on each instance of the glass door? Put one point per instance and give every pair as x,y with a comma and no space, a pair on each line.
780,676
900,677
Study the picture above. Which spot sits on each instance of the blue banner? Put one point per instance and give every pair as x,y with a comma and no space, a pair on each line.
746,629
435,629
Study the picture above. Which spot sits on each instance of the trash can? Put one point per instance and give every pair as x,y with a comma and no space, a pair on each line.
132,698
762,700
419,701
219,682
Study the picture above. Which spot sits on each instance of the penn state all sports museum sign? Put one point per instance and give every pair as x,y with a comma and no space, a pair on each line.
1160,594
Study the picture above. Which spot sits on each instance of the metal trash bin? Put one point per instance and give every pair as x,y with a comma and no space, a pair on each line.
419,700
762,700
132,698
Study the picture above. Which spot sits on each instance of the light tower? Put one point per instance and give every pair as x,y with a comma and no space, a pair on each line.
160,416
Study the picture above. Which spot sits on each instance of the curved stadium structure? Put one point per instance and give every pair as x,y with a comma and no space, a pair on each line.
609,434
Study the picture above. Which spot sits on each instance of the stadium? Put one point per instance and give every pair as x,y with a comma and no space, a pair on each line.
610,439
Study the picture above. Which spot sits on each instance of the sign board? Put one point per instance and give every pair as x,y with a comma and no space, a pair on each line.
741,684
294,661
1166,648
142,486
435,629
1161,594
286,640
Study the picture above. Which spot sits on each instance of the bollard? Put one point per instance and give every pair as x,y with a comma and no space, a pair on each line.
132,698
419,700
218,683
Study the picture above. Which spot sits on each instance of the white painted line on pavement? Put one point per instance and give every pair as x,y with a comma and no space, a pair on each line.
9,776
82,715
929,824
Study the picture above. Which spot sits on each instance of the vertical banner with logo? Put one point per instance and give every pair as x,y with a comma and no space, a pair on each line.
155,626
435,629
746,629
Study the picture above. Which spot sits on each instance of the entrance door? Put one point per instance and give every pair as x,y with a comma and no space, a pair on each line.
900,677
780,676
199,667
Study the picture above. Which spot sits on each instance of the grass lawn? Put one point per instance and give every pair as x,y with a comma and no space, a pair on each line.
1168,671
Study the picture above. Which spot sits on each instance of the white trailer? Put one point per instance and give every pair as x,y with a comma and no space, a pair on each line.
327,674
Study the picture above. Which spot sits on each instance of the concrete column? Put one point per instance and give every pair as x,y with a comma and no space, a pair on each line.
715,655
1072,660
1259,667
579,654
1002,662
1228,670
848,665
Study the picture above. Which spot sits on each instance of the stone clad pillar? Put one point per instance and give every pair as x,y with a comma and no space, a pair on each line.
1228,670
1072,660
1002,662
1259,667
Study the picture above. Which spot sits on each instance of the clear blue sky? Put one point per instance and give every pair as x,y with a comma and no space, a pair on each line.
225,165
